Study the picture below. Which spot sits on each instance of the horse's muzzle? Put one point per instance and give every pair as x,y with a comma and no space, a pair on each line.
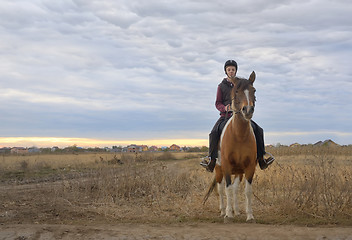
248,111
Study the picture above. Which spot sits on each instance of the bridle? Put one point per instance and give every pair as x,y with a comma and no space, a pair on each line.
232,100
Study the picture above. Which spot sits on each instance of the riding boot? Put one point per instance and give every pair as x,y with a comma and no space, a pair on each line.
208,163
211,165
265,160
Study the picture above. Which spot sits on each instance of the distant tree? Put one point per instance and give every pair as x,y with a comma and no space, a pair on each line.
45,150
74,149
118,148
194,149
204,149
278,145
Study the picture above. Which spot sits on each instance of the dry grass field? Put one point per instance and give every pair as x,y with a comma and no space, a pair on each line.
306,186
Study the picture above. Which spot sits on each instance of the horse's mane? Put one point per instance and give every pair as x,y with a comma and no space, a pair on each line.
241,83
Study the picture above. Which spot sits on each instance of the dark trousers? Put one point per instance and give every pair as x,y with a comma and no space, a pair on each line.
214,137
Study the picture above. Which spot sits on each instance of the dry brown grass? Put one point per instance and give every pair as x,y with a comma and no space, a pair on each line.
307,187
312,187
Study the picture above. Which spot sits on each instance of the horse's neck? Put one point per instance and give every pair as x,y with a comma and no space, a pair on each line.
241,126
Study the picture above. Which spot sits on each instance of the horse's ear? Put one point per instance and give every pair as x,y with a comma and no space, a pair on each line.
252,77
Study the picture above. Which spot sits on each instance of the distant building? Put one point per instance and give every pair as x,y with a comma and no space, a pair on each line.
132,148
153,148
144,148
137,148
295,145
327,142
33,150
115,150
19,150
174,147
5,150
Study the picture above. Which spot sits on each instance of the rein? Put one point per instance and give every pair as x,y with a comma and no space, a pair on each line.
233,112
227,113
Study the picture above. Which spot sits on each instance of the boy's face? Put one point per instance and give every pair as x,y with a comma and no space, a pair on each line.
231,71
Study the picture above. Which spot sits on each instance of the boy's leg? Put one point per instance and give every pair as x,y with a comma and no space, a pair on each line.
214,136
264,159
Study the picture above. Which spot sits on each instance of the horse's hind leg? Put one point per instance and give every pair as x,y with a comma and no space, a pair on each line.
221,189
249,194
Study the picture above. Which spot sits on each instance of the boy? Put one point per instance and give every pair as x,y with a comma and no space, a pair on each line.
223,101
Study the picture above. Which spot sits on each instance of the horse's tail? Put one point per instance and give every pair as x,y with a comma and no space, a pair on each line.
210,190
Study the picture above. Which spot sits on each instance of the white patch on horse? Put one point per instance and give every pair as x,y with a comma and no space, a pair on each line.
236,184
248,194
223,131
218,161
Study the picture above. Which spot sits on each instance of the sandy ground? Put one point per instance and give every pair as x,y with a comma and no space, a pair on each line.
24,209
195,231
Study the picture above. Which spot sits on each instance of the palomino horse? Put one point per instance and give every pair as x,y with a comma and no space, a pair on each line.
238,151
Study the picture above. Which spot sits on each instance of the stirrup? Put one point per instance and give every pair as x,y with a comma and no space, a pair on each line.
208,164
205,161
269,160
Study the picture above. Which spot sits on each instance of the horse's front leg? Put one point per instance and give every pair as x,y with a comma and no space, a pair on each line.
236,185
249,194
229,196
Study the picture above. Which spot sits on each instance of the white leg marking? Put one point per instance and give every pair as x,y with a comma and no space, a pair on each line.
221,189
235,192
218,161
249,194
229,196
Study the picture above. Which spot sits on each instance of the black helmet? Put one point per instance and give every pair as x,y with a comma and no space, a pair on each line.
230,63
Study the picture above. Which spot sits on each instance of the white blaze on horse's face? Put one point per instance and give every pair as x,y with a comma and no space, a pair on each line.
246,93
248,109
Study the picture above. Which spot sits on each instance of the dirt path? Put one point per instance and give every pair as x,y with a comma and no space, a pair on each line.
182,231
42,202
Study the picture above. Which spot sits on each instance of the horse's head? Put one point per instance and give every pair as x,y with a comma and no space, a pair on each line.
243,97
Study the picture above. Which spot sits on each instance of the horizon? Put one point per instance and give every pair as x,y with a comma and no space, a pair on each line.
46,142
87,142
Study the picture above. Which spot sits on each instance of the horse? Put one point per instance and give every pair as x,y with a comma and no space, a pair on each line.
237,151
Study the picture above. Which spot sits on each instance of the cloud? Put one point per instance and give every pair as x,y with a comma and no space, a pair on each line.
133,68
308,137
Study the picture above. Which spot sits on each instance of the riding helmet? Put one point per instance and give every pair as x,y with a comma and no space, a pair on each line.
230,63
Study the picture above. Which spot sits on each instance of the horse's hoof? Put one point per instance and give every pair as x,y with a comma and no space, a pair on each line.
228,219
229,214
250,219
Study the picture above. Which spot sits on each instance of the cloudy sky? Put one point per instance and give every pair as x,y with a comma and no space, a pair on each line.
148,70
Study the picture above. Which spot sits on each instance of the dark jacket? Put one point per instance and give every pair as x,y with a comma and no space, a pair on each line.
223,97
